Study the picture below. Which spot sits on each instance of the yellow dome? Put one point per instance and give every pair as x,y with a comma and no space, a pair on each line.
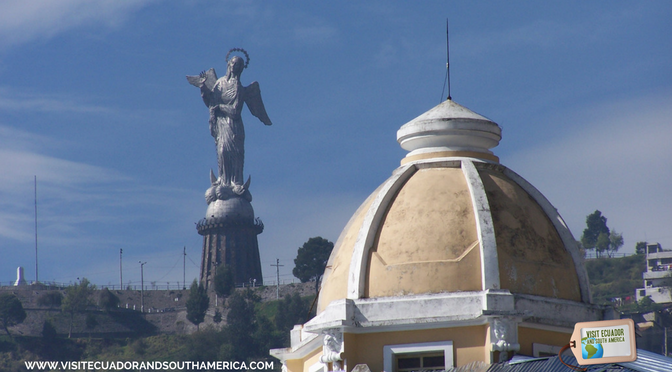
452,219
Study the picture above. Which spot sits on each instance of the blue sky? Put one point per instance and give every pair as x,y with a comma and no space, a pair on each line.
94,102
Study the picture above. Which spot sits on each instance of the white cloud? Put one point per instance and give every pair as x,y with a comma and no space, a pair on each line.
17,139
22,21
70,193
617,161
17,165
12,100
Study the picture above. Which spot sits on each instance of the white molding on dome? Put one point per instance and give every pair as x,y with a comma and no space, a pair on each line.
370,225
484,225
561,227
413,312
452,309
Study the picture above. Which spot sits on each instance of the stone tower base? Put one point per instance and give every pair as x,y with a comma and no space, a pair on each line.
231,239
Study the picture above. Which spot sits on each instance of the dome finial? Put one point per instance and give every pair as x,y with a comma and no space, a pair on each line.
447,60
449,130
446,81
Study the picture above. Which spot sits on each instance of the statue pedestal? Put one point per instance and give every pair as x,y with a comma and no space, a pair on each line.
230,238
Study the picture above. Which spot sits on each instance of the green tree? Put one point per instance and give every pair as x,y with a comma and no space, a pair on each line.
197,304
248,333
204,345
50,342
596,224
615,242
48,331
241,326
224,281
266,337
11,311
602,244
77,299
311,260
644,305
640,248
291,310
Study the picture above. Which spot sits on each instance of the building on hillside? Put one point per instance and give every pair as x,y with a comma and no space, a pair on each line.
658,272
455,260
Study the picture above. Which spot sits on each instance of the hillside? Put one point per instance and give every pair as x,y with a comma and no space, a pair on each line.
615,277
256,323
165,311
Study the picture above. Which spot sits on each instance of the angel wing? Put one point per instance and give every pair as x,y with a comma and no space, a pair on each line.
210,77
255,104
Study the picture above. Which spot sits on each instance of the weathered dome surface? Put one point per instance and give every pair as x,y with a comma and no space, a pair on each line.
451,221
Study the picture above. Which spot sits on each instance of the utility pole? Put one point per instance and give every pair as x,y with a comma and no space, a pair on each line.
121,277
37,277
665,329
142,286
184,269
277,270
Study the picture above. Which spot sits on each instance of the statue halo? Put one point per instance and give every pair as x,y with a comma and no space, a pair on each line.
247,56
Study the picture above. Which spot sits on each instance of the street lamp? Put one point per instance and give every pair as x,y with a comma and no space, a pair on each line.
142,286
121,277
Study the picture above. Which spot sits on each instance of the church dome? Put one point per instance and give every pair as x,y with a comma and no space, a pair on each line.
452,219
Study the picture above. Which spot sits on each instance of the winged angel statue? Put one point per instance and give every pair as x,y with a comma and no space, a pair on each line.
225,98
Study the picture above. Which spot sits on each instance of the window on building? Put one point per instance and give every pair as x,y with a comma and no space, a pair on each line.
642,293
415,362
428,356
543,350
665,261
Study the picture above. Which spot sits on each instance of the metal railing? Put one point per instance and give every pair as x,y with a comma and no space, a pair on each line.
592,256
9,285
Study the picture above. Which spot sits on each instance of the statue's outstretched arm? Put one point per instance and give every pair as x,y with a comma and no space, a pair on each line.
206,82
255,104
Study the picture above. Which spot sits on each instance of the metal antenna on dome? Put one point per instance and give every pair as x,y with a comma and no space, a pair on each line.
448,58
447,79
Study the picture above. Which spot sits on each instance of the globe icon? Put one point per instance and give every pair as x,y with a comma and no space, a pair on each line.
591,350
